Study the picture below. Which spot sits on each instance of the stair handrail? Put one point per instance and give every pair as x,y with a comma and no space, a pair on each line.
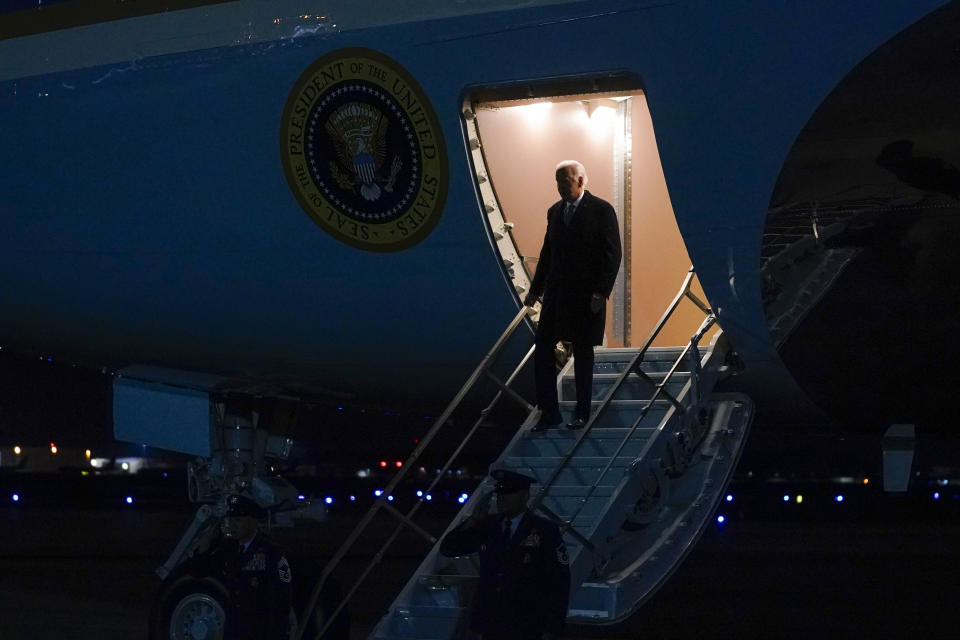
381,502
633,367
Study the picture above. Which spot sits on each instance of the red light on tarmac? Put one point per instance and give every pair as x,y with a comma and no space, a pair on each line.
383,463
399,464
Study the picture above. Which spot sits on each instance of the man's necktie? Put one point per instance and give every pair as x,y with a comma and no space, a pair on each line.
568,213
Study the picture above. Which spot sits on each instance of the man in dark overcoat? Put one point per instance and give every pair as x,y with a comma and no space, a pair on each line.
524,571
578,266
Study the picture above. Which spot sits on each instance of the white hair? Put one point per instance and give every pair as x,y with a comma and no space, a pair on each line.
581,170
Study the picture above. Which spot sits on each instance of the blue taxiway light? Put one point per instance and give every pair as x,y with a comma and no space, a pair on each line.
15,497
419,494
129,500
429,497
839,498
721,519
378,492
936,495
389,498
729,497
353,498
786,498
328,500
301,497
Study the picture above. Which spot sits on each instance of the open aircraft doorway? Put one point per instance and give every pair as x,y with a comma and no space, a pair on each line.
518,135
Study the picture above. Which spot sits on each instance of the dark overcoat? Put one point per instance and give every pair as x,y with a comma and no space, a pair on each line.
576,261
524,578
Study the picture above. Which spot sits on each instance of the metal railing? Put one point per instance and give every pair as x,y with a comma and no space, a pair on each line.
694,401
482,370
691,351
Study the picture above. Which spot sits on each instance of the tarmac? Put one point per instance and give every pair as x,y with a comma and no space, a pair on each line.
70,573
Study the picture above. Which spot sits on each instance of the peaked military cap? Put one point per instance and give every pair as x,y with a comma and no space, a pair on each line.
509,481
244,506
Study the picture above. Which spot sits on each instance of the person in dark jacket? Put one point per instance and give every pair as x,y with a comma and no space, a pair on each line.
254,571
578,266
524,571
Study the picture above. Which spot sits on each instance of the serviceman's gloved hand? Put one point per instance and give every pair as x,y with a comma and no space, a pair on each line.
530,300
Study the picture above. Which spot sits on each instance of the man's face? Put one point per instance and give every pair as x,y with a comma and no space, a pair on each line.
569,184
513,503
240,528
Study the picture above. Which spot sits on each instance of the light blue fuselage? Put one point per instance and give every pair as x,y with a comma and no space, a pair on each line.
146,217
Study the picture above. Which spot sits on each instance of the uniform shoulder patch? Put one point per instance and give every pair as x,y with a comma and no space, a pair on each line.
283,570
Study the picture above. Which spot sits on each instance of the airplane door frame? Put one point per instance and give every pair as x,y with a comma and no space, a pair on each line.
623,197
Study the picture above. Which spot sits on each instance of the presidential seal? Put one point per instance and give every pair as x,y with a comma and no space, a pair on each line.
363,151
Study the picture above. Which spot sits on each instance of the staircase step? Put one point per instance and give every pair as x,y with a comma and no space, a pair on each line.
424,622
621,413
566,507
633,388
657,359
583,471
444,590
602,441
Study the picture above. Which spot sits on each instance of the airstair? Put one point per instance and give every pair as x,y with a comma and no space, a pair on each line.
632,491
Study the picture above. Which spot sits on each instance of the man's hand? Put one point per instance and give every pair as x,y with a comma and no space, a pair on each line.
530,300
596,303
483,506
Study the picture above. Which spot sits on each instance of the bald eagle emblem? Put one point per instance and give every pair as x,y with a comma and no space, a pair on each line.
359,133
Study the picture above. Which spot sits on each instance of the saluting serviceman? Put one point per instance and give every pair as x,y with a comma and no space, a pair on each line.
578,266
255,572
524,571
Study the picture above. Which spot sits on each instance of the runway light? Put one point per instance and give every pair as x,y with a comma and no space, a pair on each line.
129,500
389,498
378,492
53,449
15,497
419,494
800,499
786,498
838,498
17,450
399,464
328,500
87,454
301,497
383,464
936,495
429,497
729,497
866,481
125,466
353,498
721,519
461,499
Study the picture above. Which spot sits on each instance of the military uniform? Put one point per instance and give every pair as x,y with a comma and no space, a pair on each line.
258,578
524,577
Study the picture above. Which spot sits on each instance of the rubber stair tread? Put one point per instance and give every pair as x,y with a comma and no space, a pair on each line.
596,433
577,462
